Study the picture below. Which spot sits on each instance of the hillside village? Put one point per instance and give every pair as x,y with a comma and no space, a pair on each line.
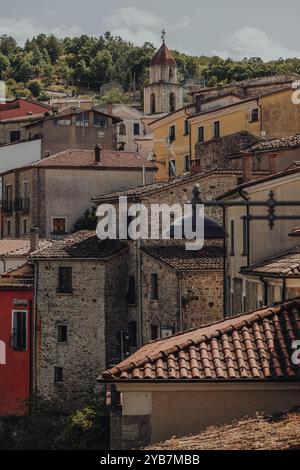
178,341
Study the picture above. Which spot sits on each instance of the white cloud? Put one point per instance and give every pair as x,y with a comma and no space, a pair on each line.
139,26
251,42
25,28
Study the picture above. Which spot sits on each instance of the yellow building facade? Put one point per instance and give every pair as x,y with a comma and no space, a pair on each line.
269,116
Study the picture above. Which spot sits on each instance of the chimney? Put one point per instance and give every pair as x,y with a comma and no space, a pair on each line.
247,167
273,163
34,239
98,149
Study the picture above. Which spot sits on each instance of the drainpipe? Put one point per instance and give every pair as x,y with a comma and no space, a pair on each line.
180,305
190,136
261,114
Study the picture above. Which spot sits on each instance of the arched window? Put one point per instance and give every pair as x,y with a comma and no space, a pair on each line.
122,128
153,104
171,74
172,102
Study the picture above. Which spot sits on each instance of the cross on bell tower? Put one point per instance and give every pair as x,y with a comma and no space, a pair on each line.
164,94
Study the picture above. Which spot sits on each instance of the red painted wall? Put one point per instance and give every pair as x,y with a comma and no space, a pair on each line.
15,374
19,108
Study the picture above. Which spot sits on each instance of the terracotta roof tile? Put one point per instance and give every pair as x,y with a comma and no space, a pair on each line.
16,248
285,265
86,159
178,258
282,143
21,277
253,346
84,244
163,57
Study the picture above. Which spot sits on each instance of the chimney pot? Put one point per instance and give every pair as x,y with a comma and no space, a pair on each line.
247,167
34,239
273,163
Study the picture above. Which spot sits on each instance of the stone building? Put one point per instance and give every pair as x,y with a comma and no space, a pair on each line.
164,94
80,307
74,128
54,192
180,289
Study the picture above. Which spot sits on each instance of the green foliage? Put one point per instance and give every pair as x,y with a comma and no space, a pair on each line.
114,96
87,222
45,429
87,62
35,87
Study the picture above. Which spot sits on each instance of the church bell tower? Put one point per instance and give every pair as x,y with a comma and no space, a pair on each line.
163,94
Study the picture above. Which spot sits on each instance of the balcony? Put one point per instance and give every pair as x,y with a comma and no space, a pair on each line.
22,205
7,206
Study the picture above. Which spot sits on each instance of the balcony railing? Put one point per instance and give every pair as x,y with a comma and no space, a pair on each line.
22,205
7,206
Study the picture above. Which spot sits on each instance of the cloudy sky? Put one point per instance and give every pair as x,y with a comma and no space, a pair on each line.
235,28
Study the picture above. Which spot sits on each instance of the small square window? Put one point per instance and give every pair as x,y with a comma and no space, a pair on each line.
216,129
201,134
59,226
62,333
154,286
254,115
58,375
24,226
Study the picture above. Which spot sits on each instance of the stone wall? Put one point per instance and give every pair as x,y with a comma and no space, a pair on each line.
93,313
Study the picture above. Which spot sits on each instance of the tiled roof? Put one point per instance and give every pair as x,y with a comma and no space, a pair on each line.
84,244
169,184
252,346
276,144
290,171
86,159
21,277
180,259
285,265
261,432
163,57
16,248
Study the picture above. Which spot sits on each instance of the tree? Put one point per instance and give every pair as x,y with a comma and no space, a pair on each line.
114,96
4,66
101,68
87,222
35,87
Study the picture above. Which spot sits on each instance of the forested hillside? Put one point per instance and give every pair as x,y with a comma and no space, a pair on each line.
85,63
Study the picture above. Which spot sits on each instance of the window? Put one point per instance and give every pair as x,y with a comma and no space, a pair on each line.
172,134
82,120
58,374
232,245
186,127
132,333
154,286
65,280
254,116
131,291
153,103
172,168
187,163
24,226
8,228
201,134
154,332
136,128
100,121
15,136
63,122
25,189
122,129
59,225
216,130
172,102
8,192
62,333
19,333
